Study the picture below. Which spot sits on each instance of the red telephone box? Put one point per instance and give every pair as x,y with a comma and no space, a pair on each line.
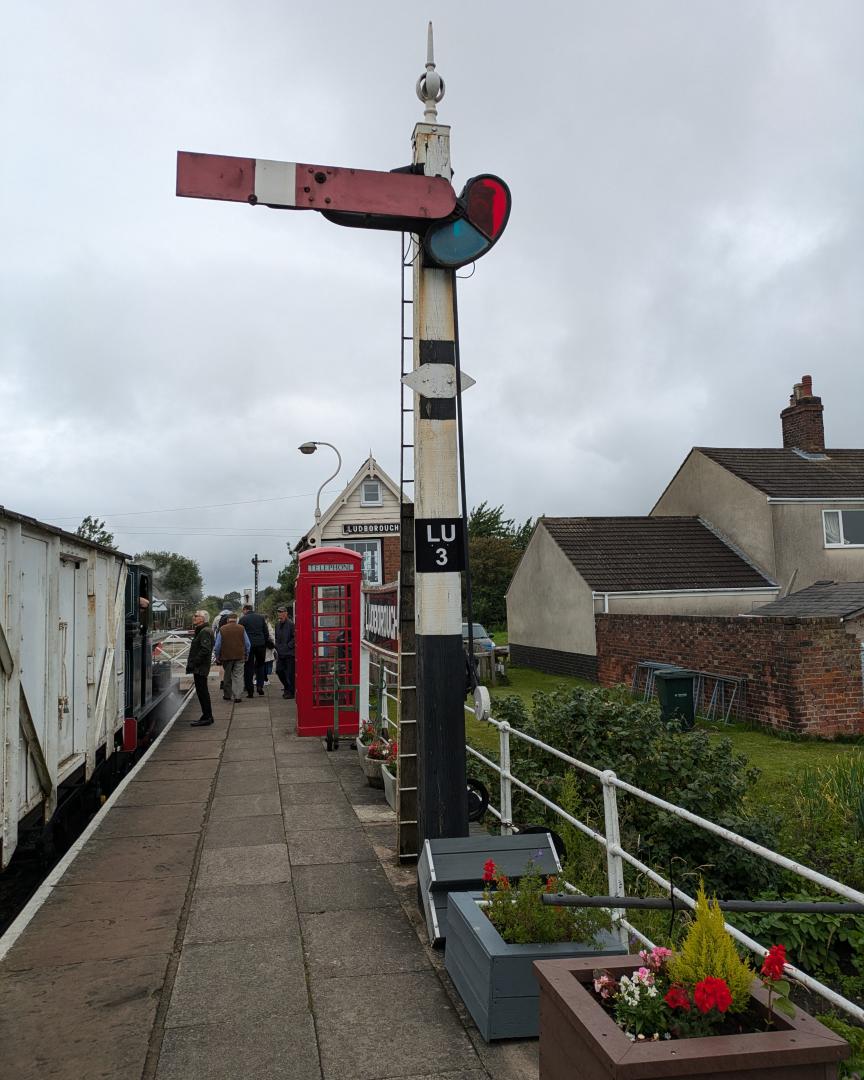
327,639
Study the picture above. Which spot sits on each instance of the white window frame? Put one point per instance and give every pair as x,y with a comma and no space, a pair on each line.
379,501
362,545
840,512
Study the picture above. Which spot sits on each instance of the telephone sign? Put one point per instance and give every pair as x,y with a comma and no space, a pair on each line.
439,545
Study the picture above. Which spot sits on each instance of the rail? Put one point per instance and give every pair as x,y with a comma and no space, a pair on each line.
617,856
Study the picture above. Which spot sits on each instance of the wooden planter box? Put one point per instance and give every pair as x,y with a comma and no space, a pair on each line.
578,1039
455,864
496,980
389,786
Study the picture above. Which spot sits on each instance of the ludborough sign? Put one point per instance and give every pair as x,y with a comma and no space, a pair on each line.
369,528
381,619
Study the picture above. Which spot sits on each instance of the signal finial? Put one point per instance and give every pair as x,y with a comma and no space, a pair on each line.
430,86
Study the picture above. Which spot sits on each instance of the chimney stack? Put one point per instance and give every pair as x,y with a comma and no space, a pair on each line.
803,428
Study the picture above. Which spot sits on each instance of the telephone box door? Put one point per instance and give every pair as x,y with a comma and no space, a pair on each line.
327,630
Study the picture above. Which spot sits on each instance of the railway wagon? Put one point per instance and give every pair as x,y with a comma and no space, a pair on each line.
63,609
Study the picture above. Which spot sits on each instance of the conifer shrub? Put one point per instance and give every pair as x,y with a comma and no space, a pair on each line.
708,951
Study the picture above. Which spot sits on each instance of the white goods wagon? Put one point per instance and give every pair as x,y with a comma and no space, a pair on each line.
61,666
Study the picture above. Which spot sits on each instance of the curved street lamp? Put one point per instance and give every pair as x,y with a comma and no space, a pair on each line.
310,448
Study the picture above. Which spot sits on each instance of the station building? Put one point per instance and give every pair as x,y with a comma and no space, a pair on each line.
365,518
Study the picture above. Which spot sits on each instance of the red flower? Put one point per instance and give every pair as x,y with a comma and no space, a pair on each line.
712,994
551,884
772,968
489,870
676,998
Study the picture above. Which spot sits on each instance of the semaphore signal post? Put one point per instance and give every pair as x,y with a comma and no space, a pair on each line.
449,232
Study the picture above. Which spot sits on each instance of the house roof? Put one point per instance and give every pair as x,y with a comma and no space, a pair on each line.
843,599
784,473
651,554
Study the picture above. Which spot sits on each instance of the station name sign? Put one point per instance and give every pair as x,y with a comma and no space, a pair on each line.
381,623
361,528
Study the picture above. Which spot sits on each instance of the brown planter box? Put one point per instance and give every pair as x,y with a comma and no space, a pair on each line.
579,1041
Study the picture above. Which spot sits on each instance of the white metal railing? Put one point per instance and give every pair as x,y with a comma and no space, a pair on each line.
177,650
616,855
383,676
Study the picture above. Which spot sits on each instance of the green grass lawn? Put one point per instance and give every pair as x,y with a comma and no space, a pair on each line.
779,758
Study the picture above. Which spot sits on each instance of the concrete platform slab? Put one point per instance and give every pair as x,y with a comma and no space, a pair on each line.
115,998
346,887
238,982
258,751
328,792
247,784
244,832
162,792
266,1049
154,820
234,806
260,865
343,943
315,816
133,858
313,847
306,774
241,912
374,814
193,769
177,751
423,1029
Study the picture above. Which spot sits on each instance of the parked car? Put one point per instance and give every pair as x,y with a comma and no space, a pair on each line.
482,641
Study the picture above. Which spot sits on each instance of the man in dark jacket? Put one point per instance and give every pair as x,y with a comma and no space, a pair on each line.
285,651
255,626
198,665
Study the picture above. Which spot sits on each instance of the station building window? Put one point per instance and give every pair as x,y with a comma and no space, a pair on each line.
370,493
371,552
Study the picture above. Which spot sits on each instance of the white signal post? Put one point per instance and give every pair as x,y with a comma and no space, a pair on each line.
443,805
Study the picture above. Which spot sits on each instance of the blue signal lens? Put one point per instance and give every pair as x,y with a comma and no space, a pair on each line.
456,244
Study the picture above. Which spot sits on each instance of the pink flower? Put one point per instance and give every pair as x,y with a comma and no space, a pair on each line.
605,985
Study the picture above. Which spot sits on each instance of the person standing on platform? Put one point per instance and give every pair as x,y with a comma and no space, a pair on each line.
232,651
255,626
285,651
198,665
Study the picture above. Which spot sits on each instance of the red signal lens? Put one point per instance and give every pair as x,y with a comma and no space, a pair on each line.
487,205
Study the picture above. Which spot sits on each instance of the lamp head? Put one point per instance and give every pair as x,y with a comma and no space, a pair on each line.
308,448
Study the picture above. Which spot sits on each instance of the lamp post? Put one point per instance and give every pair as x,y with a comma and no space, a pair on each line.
310,448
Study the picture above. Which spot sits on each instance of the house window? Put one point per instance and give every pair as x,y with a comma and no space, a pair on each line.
843,528
371,552
370,493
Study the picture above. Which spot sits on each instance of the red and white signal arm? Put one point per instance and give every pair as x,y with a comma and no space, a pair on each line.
328,630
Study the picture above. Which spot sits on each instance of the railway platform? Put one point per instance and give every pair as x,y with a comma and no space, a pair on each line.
239,913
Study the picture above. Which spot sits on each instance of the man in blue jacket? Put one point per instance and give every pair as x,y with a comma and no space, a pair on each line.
255,626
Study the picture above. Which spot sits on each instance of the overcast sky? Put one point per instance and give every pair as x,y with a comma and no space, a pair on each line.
686,241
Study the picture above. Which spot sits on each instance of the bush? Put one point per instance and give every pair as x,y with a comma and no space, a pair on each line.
606,728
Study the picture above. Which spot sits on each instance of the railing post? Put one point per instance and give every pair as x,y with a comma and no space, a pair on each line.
506,787
614,862
363,703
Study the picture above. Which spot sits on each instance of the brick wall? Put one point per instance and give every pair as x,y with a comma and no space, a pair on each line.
803,675
389,558
554,661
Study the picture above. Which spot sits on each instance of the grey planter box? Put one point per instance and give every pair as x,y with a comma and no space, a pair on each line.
372,770
389,786
455,864
496,980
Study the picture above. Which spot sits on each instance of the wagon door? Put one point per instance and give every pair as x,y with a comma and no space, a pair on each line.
72,693
34,660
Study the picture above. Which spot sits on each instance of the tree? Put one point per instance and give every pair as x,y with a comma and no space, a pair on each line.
93,529
283,593
231,600
175,577
495,545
